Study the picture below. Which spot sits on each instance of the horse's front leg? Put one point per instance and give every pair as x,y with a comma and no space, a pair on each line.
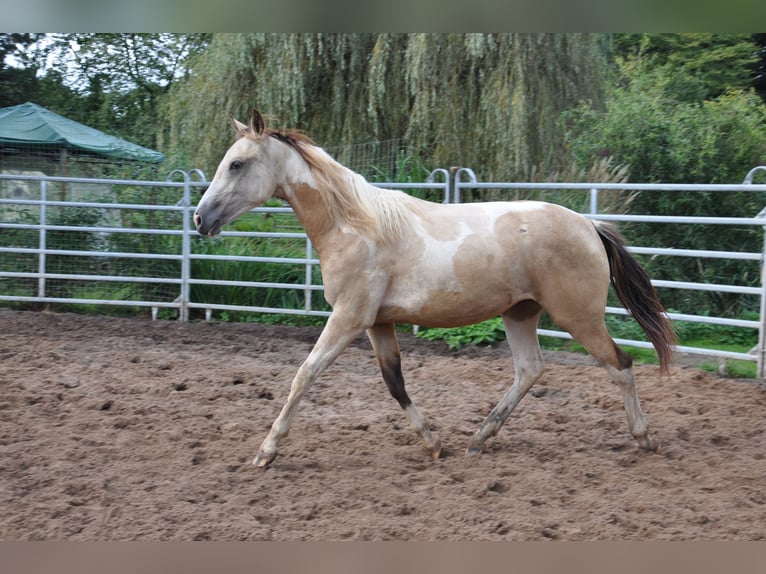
336,336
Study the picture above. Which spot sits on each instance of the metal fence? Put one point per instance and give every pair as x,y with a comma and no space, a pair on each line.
465,179
94,242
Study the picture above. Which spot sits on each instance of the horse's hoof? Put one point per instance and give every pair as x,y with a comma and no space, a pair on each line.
474,448
436,449
263,460
649,443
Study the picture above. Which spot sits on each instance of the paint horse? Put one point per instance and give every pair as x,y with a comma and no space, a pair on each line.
389,258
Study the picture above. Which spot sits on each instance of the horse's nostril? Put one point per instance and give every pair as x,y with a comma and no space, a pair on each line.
197,220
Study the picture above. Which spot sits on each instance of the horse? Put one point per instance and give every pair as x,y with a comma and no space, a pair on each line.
387,258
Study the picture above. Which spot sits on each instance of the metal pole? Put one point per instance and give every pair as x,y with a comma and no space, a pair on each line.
447,191
183,298
458,175
186,252
761,349
594,201
309,272
43,239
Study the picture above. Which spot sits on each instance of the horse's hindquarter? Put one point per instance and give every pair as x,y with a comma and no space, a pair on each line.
466,263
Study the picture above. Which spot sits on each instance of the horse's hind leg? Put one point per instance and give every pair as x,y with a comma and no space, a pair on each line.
597,341
520,324
386,347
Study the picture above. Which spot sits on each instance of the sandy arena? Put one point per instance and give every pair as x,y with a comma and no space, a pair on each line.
128,429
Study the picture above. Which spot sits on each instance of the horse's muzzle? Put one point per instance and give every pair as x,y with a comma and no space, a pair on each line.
206,228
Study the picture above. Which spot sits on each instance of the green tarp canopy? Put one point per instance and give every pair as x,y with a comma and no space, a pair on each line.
30,125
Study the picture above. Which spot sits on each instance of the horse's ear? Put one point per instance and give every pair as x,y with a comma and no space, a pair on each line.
257,123
239,127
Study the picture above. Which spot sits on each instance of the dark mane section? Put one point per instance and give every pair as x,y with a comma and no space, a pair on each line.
348,197
295,139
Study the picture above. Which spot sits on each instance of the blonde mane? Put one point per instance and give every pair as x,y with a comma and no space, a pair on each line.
381,214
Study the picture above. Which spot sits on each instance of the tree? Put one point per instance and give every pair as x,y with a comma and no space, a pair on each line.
15,82
118,79
760,75
15,45
672,140
313,81
488,101
713,63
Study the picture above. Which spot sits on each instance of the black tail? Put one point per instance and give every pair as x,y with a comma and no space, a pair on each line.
635,290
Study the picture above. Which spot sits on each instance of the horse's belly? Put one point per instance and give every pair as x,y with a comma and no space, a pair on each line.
442,306
450,285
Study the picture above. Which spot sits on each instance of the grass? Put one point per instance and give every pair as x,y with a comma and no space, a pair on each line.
270,319
690,334
484,333
732,368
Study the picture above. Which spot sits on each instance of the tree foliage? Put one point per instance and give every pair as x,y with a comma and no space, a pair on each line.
649,125
121,78
759,81
485,100
112,82
304,80
15,81
710,62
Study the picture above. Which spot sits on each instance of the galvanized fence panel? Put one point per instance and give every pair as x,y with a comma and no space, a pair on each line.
66,240
128,243
465,179
89,242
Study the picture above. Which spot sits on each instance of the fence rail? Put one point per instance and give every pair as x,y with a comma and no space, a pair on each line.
68,250
757,354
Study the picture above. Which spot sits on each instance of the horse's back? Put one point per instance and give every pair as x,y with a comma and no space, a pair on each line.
468,262
531,232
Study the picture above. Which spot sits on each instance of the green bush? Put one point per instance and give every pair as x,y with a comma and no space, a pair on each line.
484,333
649,124
690,334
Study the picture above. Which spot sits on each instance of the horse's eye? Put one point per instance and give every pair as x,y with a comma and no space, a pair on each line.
235,165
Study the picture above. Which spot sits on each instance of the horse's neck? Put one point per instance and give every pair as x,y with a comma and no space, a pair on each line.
311,212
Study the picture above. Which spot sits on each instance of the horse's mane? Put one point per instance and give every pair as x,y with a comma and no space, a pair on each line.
378,213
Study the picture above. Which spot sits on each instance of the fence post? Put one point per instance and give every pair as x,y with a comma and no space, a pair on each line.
593,200
43,239
309,273
458,175
185,204
761,349
183,313
447,191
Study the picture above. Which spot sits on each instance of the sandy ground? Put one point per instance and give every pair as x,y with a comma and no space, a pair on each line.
128,429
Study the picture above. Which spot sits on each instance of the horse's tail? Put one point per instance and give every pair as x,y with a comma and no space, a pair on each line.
635,290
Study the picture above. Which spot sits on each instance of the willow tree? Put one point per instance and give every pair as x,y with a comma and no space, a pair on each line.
491,101
486,101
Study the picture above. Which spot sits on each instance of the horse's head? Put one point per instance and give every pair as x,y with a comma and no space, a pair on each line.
248,175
